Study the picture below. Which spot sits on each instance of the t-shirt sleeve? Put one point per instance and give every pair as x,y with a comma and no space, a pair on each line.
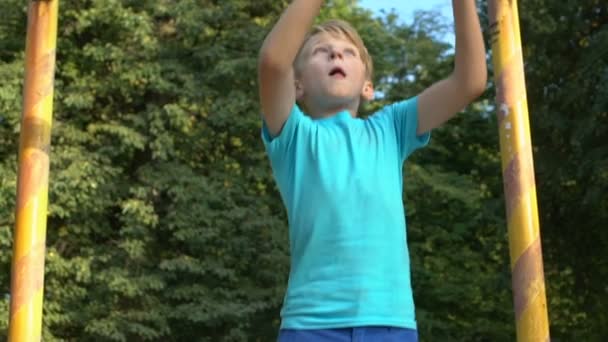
278,147
404,115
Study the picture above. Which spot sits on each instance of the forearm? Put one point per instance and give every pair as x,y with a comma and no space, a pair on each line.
283,43
470,69
444,99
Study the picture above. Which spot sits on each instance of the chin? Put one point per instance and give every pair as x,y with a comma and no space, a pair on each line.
342,97
339,102
338,93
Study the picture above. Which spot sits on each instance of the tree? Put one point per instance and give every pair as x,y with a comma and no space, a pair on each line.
566,68
164,221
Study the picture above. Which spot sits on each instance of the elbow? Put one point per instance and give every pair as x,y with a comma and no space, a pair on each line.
271,63
474,87
478,87
472,82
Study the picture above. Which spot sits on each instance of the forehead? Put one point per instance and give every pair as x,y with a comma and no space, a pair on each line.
328,38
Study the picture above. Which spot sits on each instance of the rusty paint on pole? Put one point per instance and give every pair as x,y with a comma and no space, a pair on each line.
528,282
27,274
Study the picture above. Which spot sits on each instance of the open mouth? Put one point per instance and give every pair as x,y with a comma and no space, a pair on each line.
337,72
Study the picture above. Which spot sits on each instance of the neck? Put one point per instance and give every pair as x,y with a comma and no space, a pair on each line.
320,112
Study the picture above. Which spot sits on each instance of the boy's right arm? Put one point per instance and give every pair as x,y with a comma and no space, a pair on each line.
275,67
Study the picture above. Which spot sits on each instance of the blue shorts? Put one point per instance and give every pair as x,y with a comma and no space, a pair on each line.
361,334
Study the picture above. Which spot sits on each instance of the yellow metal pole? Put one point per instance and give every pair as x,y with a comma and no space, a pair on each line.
27,275
528,282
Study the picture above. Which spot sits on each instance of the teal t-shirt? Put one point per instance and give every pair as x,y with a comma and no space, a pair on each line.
341,182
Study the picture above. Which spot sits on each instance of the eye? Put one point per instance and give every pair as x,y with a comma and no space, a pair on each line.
351,52
320,49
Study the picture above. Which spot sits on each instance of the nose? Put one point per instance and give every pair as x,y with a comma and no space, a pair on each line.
335,54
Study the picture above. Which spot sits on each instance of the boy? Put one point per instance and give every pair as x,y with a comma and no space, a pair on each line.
340,177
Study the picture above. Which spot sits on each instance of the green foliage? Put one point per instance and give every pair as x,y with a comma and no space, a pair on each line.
164,223
567,72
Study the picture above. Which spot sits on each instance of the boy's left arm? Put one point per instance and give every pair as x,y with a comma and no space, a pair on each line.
444,99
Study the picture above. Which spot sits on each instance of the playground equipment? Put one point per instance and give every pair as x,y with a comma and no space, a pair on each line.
529,297
27,275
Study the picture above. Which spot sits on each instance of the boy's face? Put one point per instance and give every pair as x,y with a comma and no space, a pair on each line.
331,73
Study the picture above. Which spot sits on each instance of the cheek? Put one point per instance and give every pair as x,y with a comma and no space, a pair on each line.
357,67
311,73
360,76
316,67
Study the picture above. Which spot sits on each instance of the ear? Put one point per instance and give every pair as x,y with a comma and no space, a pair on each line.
299,90
367,93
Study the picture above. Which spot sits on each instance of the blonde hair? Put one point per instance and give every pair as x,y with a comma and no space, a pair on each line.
341,28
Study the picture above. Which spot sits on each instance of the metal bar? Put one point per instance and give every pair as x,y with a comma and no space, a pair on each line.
528,282
27,274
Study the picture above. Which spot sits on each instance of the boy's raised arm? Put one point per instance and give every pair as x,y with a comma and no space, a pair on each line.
445,98
275,67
